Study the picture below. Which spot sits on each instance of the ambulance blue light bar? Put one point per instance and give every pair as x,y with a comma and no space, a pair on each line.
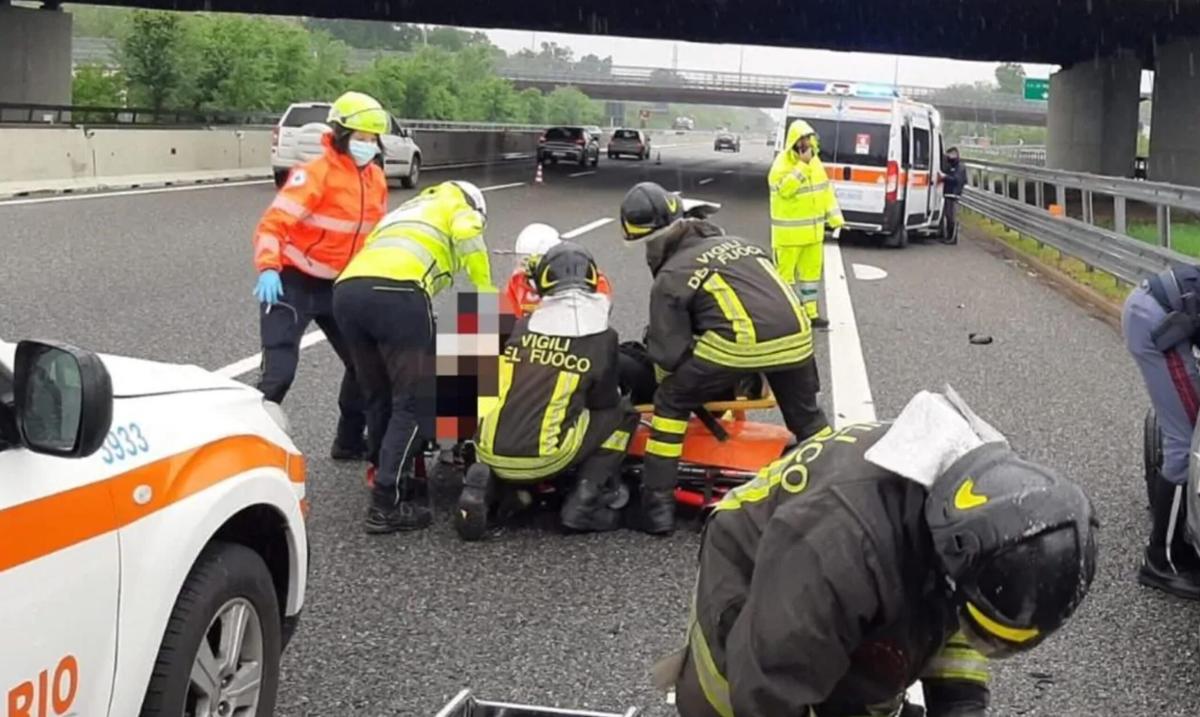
809,86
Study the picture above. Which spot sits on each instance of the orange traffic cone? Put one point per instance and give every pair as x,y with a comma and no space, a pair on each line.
538,178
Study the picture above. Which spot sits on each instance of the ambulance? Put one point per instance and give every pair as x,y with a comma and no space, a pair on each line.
153,549
882,151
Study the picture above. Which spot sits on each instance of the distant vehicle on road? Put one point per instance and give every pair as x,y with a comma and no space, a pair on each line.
633,142
297,139
569,144
155,554
727,140
883,153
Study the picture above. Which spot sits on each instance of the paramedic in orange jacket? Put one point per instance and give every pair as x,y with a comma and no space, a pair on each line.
306,237
519,297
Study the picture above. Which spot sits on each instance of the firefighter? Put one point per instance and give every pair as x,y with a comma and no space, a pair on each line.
306,237
718,311
1161,324
877,556
559,403
802,204
520,298
383,303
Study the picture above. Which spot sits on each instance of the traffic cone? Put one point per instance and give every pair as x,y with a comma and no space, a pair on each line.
538,177
659,160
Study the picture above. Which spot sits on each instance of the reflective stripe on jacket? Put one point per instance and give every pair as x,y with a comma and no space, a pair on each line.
320,216
428,239
802,197
819,589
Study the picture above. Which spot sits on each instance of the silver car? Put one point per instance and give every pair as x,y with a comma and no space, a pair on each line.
633,142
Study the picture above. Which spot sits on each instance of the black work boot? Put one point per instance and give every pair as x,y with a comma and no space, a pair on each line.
587,509
471,520
657,511
348,449
395,510
1170,563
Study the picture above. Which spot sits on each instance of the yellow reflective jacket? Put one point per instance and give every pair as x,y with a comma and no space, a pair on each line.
428,239
802,197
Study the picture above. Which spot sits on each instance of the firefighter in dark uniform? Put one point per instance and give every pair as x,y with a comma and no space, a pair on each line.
559,404
875,557
718,311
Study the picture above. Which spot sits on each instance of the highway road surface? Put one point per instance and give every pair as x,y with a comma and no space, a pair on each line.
396,625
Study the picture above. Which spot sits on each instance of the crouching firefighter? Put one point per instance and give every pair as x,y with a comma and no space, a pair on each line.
1161,324
559,403
878,556
718,311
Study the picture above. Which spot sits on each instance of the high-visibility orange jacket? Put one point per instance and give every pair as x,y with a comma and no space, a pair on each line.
321,215
520,298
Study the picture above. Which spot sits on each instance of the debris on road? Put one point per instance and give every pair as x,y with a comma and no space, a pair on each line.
979,339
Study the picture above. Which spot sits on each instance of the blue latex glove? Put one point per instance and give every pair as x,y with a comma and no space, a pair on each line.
269,288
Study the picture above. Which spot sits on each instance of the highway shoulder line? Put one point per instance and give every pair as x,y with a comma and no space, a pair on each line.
582,174
498,187
90,188
587,228
852,401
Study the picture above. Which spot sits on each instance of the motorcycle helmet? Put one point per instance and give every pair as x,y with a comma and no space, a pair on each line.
1016,544
536,239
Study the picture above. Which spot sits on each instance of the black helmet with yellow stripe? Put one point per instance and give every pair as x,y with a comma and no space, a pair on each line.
1017,544
646,208
564,266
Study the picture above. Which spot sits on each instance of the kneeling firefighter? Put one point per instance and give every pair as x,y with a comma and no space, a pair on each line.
877,556
718,311
519,296
382,302
1161,324
559,403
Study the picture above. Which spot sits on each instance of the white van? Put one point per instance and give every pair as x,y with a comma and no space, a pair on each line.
883,153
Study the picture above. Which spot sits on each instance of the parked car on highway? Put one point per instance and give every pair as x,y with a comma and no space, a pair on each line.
727,140
153,549
297,138
633,142
572,144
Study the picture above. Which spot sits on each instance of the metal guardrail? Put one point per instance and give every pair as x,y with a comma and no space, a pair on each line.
1109,250
1034,155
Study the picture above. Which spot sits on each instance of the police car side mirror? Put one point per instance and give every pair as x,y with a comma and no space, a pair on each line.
63,399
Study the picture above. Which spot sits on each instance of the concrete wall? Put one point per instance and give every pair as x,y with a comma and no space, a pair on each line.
35,56
1175,124
1093,120
33,154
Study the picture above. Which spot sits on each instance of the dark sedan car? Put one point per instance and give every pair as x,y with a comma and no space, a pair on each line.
727,140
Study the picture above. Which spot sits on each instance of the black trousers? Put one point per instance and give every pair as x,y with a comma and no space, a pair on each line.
696,382
389,329
307,299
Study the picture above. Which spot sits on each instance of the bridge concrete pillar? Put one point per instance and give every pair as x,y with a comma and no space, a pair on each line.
35,56
1093,120
1174,139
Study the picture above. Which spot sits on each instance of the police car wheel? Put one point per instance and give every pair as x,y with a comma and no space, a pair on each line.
220,654
1151,451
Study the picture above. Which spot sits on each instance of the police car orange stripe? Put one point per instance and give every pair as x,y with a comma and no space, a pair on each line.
44,526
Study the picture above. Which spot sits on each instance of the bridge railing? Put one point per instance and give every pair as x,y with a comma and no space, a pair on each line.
1034,155
1112,250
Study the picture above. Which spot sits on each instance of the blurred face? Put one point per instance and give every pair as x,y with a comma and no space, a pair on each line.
364,136
952,156
804,146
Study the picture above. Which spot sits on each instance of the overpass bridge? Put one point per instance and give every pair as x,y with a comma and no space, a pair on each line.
1092,116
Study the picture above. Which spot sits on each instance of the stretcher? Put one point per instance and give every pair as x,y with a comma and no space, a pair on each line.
721,449
466,704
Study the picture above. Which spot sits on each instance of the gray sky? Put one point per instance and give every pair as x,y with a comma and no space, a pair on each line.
799,63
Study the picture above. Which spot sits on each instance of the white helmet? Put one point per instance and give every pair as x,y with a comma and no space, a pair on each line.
473,195
536,238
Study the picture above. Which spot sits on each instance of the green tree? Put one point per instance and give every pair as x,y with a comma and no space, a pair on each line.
151,57
96,86
453,40
567,105
533,107
368,34
1011,78
97,21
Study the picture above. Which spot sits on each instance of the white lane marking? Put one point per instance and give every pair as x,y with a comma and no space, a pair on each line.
866,272
250,363
130,192
587,228
502,186
582,174
706,180
852,401
728,171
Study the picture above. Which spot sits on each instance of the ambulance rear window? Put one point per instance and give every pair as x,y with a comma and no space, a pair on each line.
861,144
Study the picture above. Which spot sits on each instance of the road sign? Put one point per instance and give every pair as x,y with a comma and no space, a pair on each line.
1037,89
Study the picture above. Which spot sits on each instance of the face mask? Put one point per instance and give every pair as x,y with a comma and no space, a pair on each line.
363,152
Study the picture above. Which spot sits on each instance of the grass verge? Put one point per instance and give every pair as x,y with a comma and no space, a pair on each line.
1103,286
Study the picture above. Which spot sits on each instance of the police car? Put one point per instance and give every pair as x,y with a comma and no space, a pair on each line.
153,552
